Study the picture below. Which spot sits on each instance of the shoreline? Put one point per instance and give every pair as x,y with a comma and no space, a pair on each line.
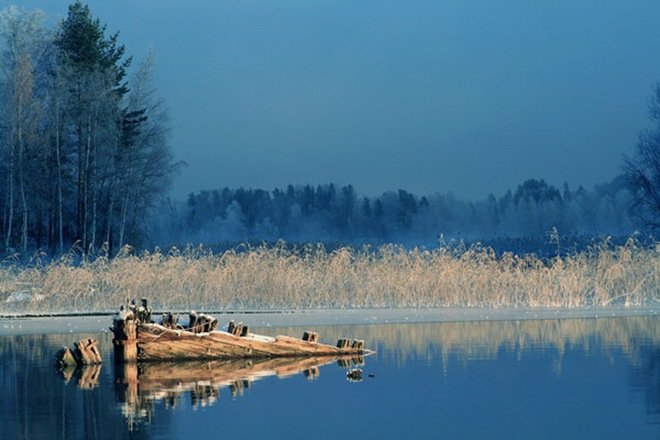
13,325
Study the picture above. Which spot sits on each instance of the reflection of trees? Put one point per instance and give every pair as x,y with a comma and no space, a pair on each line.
646,377
26,389
39,403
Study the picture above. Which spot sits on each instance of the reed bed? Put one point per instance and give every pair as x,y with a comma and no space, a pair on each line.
281,278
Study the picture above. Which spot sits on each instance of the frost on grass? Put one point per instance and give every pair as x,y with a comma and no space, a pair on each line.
23,296
282,278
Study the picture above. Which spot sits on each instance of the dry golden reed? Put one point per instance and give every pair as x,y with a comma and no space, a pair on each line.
278,277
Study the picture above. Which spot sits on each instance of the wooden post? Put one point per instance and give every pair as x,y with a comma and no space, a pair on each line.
237,329
310,336
358,344
202,321
125,337
169,320
144,311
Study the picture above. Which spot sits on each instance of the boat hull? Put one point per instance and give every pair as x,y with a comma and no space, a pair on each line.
154,342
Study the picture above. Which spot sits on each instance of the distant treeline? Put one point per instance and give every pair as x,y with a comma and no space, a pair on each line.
340,214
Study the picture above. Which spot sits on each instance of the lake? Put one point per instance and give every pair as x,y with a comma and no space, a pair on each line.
553,378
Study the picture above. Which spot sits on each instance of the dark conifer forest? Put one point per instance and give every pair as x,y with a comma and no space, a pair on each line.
333,213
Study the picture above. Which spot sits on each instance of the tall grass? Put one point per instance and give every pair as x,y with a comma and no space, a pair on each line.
278,277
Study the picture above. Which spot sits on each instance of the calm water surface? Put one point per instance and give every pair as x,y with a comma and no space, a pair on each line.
594,378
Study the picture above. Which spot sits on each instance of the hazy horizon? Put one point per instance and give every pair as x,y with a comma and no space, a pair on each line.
469,98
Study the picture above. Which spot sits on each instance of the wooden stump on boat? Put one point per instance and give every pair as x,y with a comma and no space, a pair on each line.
124,329
310,336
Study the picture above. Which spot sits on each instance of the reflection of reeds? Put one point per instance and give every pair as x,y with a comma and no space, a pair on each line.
391,276
475,339
485,339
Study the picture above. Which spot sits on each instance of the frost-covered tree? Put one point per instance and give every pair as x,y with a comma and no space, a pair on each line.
143,161
643,169
22,40
83,156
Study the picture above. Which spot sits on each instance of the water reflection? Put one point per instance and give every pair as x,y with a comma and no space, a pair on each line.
646,378
599,377
138,387
87,377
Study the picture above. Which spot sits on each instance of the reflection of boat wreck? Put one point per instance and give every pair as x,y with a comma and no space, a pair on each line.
136,337
138,386
86,376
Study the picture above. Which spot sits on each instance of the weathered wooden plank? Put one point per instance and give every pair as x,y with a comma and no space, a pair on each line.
87,352
135,340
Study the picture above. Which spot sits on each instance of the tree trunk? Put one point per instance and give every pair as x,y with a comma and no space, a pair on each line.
122,223
81,171
10,199
58,155
23,86
108,233
92,179
21,186
85,186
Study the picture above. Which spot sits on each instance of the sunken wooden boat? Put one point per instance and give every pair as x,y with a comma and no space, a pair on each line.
138,338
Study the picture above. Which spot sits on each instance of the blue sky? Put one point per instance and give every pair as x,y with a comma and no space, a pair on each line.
468,96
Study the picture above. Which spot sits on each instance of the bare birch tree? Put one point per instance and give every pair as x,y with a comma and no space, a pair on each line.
23,40
643,169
